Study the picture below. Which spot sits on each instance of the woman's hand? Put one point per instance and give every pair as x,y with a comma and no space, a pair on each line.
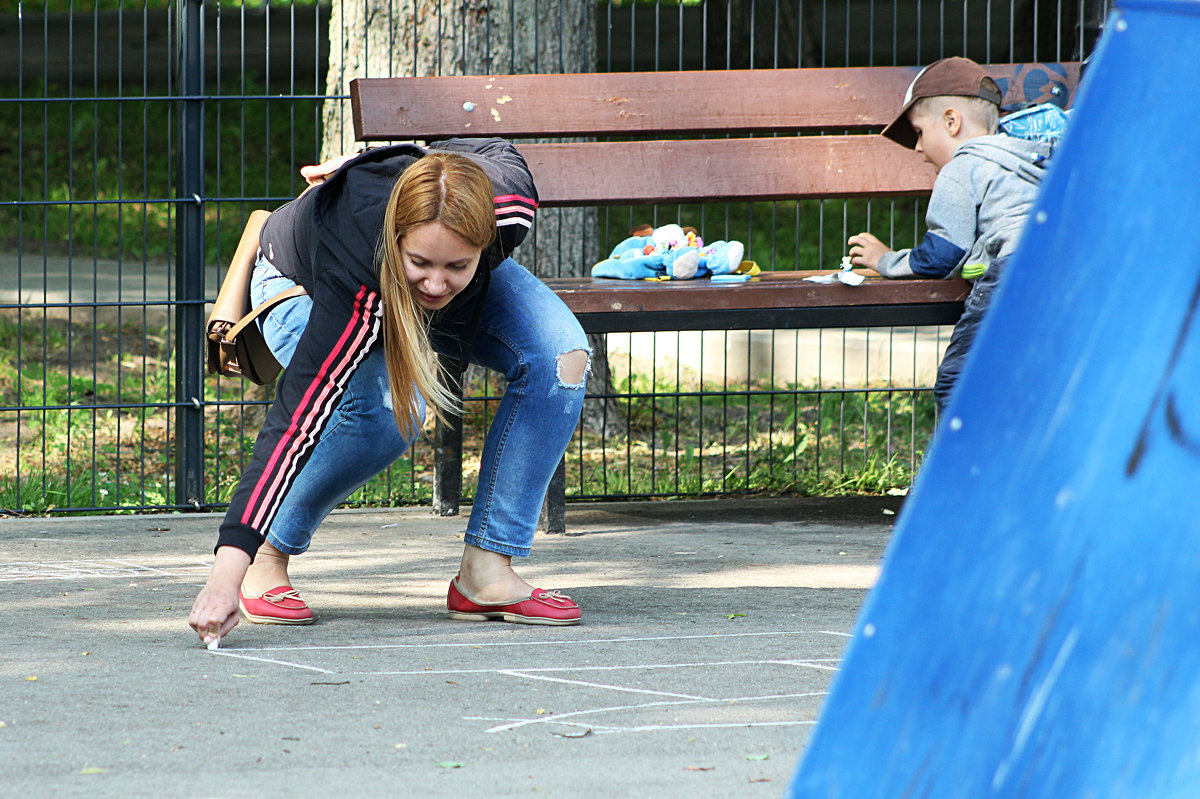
866,250
215,611
317,174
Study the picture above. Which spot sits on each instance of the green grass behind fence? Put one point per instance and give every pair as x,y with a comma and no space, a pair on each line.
97,177
102,436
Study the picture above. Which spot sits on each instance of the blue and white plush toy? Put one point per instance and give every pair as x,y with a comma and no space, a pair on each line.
670,252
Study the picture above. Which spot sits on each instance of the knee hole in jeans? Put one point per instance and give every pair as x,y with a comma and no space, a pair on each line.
572,367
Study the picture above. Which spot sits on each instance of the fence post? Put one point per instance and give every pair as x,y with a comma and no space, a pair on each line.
189,256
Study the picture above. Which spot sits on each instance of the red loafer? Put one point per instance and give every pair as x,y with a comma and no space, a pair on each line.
542,607
281,605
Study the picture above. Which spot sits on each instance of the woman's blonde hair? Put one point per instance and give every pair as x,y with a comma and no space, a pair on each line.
438,187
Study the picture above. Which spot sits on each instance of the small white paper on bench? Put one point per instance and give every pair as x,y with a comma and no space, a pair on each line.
849,278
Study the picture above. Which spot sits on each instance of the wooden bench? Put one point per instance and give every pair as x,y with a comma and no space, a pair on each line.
780,134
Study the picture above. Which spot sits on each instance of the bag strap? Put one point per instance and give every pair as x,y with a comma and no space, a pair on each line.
233,299
263,307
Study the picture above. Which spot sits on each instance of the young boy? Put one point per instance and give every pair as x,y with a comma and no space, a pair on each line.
985,188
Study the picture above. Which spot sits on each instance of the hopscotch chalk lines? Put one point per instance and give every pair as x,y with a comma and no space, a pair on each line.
110,567
584,680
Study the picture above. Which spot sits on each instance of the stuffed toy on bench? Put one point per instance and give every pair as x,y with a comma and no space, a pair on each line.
670,252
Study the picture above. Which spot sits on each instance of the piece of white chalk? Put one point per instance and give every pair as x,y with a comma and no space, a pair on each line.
214,643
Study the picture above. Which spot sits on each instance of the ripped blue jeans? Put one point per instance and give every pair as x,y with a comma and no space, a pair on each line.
524,330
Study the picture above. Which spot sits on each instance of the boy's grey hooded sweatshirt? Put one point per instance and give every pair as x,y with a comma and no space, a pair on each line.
980,203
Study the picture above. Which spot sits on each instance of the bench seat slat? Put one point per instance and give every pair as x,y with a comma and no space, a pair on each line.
619,173
767,290
642,103
772,300
800,317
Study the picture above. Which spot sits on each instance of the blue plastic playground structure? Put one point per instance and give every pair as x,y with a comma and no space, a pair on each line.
1036,628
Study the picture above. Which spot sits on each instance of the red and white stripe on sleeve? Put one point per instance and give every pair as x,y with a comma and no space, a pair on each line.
513,209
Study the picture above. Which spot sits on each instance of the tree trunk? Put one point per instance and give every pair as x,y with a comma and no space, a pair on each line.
477,37
449,37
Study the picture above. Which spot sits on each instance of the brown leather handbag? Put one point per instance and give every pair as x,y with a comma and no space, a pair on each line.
234,344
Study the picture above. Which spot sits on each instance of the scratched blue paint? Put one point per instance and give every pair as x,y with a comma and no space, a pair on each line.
1036,628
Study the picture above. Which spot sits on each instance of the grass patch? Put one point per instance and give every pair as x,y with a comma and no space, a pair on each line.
87,417
88,423
738,438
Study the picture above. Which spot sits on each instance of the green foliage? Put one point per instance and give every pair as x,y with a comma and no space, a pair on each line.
96,174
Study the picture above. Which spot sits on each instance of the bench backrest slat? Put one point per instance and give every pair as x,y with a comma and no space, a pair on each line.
655,109
756,169
652,103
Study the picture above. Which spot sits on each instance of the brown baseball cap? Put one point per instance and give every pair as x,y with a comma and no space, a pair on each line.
954,77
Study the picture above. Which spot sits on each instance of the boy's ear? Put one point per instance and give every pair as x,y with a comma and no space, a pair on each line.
952,118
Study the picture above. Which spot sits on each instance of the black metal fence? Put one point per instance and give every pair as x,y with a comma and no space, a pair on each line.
139,136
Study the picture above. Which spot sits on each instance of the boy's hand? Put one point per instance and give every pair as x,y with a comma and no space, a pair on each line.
866,250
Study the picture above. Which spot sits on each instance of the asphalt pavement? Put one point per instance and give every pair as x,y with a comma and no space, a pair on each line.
711,632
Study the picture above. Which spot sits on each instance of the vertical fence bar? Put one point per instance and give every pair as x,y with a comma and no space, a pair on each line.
189,257
1092,15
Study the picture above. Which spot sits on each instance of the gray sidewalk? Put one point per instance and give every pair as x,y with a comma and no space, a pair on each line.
711,631
33,279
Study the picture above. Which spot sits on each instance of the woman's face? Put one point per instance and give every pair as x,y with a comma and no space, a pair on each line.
438,264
